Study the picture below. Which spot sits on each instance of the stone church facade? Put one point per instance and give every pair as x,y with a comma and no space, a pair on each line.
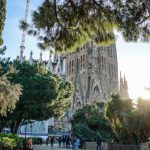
93,70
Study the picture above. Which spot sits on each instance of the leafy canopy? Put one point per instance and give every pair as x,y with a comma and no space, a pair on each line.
9,92
44,95
90,120
65,25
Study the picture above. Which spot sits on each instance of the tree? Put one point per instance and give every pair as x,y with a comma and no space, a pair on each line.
9,92
129,121
89,120
2,18
65,25
118,112
44,95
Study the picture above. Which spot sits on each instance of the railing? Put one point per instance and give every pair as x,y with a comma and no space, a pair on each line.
114,146
111,146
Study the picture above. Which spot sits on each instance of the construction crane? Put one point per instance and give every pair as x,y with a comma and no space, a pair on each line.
22,47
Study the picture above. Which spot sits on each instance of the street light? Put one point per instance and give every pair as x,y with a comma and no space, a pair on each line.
31,128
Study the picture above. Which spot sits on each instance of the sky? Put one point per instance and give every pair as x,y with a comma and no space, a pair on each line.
133,58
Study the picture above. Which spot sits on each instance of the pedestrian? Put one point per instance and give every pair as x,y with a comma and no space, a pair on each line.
98,141
59,141
30,145
68,140
52,141
47,141
76,144
63,140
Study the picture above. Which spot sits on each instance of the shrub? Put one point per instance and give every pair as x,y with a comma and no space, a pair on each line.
9,141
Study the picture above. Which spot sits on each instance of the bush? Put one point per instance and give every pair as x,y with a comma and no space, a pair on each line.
9,141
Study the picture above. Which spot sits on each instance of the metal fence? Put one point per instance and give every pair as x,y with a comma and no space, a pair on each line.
115,146
123,147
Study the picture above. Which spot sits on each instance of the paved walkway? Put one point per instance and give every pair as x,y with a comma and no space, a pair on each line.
44,147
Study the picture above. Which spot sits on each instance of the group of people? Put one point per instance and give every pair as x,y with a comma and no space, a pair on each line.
63,141
66,141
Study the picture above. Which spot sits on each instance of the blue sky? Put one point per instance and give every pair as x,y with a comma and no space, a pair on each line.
133,58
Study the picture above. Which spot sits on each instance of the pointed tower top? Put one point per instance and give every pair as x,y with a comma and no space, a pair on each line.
31,58
49,65
120,75
124,78
21,56
40,59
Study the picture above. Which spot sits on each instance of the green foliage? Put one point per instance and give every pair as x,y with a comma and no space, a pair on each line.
44,95
82,131
9,92
69,24
130,122
2,18
9,141
90,120
23,25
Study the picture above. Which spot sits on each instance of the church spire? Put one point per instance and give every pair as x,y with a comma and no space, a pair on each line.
31,58
22,47
121,81
123,87
21,56
49,65
40,58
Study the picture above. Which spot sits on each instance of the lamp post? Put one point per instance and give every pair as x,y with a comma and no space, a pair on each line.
31,128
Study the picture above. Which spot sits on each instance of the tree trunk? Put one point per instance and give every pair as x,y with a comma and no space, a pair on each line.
15,124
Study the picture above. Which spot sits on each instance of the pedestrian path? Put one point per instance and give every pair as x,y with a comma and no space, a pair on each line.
44,147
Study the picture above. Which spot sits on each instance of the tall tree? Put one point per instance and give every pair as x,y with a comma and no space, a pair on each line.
9,92
68,24
44,95
2,18
88,121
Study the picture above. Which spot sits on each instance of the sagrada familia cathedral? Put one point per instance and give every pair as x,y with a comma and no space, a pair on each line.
93,70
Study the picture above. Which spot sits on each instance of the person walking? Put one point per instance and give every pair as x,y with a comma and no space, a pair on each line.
47,141
76,144
63,140
98,142
52,141
59,141
68,141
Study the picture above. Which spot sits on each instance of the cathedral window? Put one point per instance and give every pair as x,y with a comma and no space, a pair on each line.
105,63
112,69
69,67
61,65
111,53
72,67
102,63
108,51
78,64
109,68
83,61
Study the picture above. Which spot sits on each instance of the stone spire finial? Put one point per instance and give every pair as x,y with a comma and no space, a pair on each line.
58,64
121,80
123,87
49,65
31,58
40,59
21,56
125,83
